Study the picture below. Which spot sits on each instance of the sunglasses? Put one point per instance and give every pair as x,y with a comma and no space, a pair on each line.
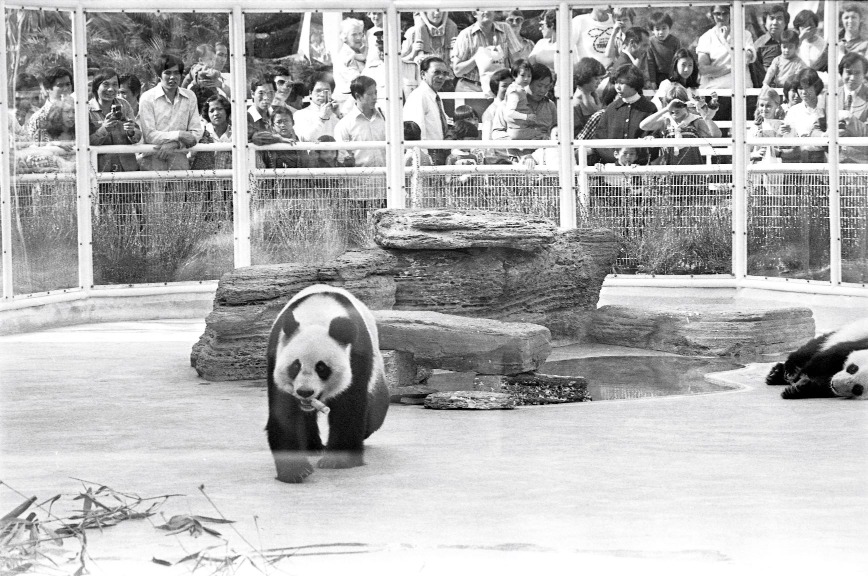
515,20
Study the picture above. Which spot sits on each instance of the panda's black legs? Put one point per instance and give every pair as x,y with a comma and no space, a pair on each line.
345,447
806,388
292,438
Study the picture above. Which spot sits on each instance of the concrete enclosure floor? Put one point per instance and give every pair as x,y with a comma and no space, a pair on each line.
737,482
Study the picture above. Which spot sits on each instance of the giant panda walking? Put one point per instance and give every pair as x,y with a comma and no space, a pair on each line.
323,356
808,372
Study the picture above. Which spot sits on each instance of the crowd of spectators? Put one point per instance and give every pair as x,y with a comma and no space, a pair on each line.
509,81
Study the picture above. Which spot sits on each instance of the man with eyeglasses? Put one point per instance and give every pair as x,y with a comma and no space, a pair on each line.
424,107
169,117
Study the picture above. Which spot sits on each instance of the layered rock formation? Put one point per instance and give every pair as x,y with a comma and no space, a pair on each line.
485,265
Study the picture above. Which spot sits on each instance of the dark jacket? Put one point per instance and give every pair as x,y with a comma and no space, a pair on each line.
621,120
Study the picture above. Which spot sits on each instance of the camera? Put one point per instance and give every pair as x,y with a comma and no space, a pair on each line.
116,113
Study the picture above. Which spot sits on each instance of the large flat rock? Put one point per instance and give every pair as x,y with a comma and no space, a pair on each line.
464,344
442,229
722,329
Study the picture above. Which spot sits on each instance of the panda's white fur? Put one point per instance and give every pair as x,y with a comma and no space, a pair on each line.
852,381
324,345
808,371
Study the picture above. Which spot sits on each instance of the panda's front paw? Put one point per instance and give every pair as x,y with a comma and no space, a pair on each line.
295,472
341,460
777,376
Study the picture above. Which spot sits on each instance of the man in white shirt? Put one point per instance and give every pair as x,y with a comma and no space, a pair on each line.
591,33
424,107
321,117
364,122
169,117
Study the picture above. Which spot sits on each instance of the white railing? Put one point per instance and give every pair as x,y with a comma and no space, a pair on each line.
238,202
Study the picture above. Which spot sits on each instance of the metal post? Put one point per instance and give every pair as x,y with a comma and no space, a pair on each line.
7,154
831,25
396,196
240,182
739,153
84,172
564,63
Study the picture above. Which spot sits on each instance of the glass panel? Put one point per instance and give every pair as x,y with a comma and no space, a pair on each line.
42,125
788,224
669,223
854,227
310,206
160,215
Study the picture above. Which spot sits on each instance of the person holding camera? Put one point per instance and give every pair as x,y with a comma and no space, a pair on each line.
112,121
323,114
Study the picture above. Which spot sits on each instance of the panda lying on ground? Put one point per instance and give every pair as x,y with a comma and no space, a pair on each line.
323,356
830,365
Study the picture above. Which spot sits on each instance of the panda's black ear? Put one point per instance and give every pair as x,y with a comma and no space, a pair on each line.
289,323
343,330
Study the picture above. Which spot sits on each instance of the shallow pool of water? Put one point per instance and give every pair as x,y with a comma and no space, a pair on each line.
623,377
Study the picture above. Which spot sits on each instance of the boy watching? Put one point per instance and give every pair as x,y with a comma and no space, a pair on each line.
284,133
663,46
788,64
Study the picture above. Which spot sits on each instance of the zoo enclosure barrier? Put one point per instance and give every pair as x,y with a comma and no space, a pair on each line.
787,226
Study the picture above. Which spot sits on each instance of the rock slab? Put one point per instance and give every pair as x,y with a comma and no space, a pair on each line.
720,329
469,400
435,229
249,299
464,344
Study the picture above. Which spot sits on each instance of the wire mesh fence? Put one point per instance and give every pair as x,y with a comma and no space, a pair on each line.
788,224
854,227
312,215
534,193
668,223
173,228
44,233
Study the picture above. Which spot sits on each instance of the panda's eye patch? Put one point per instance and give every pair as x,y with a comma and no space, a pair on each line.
294,369
852,369
322,370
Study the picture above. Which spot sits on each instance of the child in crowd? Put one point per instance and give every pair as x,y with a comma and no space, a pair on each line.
282,125
664,45
623,18
325,158
791,96
463,130
413,133
788,64
519,117
767,124
465,113
679,118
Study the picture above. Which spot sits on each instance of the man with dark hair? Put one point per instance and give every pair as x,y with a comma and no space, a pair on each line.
424,107
130,89
259,115
56,84
853,105
169,117
282,82
768,46
321,117
634,51
622,117
364,122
